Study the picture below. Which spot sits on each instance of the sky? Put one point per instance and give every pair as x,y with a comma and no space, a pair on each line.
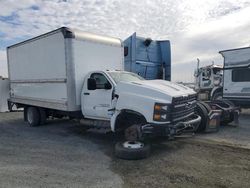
195,28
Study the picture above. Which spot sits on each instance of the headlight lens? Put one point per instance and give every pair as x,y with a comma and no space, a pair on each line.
161,112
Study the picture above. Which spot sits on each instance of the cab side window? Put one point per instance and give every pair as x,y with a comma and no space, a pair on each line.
100,79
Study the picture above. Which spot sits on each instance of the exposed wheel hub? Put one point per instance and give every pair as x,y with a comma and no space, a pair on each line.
132,133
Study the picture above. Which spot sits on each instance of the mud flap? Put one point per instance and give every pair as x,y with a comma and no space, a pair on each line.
213,123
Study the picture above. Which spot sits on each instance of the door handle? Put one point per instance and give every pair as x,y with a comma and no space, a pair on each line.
86,93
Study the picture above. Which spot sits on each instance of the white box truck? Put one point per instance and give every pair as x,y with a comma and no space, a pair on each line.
72,73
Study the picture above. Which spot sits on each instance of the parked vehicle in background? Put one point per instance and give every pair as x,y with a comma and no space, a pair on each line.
80,75
209,82
236,85
230,81
148,58
152,60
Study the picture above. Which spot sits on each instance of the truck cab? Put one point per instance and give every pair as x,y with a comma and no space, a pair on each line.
128,101
208,82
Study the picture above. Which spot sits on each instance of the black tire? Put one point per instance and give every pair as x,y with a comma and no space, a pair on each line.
217,96
25,114
132,153
43,116
33,116
203,113
207,106
231,115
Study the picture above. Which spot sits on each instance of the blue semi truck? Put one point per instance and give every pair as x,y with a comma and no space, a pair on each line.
148,58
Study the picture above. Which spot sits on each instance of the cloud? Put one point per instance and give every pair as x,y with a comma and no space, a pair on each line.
196,28
204,42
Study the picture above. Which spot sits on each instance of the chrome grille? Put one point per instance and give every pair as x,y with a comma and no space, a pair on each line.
183,107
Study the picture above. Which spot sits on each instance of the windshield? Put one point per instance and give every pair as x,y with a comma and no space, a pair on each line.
218,70
125,77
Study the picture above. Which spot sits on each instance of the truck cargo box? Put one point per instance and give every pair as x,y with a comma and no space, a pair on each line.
49,70
236,85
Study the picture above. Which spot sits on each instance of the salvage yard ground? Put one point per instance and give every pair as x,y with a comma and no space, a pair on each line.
63,154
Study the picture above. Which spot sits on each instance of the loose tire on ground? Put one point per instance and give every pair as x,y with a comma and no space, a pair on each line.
132,153
203,113
33,116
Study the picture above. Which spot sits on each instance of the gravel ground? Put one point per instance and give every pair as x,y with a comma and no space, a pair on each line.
63,154
231,135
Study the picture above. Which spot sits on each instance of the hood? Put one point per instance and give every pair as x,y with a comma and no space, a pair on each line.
160,89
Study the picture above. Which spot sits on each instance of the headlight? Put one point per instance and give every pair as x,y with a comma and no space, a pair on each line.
161,112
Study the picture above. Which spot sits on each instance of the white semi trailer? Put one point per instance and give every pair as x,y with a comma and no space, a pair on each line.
236,85
72,73
230,81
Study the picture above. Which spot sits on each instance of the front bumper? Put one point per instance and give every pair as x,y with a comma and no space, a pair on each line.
169,129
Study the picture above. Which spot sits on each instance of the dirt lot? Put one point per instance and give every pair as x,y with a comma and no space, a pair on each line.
62,154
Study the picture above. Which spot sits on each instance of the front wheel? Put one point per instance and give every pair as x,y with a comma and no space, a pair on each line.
132,150
202,111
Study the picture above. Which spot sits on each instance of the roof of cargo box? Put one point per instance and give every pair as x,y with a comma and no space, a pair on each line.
78,34
233,49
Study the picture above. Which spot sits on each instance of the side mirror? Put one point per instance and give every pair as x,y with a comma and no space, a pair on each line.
108,86
91,84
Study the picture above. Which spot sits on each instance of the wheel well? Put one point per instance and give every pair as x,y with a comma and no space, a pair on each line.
127,118
216,91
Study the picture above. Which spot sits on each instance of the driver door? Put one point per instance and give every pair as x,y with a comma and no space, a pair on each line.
96,103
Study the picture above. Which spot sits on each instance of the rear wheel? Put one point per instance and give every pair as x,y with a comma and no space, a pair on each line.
33,116
230,117
43,116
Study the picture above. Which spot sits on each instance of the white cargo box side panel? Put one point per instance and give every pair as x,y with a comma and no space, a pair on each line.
37,71
237,57
4,94
93,56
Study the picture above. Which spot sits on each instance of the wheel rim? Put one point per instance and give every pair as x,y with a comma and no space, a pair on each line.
133,145
30,116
